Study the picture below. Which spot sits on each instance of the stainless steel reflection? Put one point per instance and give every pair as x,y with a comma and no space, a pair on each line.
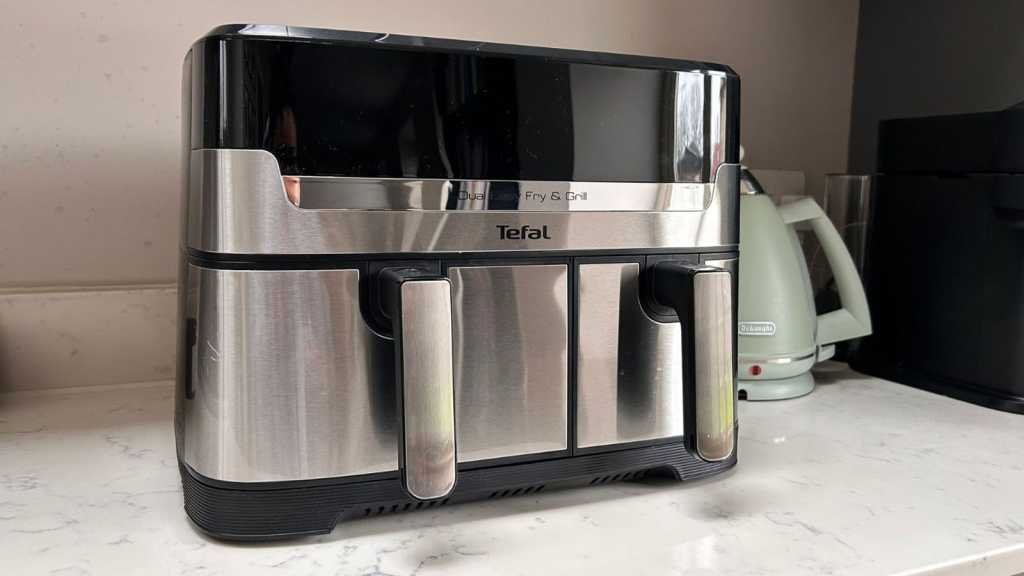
511,359
338,193
630,379
729,264
289,382
719,130
687,136
714,373
238,205
428,405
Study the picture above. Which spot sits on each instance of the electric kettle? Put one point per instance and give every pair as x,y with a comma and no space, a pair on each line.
780,334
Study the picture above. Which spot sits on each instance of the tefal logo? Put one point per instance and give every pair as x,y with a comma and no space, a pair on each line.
523,232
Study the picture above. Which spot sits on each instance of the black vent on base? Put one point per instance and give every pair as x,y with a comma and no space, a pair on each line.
497,494
637,475
403,507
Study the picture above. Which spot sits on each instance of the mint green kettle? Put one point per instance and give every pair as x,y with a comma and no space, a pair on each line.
780,334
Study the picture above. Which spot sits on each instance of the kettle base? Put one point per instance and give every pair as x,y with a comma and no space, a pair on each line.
781,389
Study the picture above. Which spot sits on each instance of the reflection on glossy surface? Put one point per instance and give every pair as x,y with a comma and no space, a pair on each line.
714,367
424,338
629,366
511,359
686,95
339,193
723,128
289,382
378,105
238,205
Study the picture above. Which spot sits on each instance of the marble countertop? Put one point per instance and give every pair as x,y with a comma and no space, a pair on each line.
861,477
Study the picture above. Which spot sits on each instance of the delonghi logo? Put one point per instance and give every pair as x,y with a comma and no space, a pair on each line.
523,232
757,329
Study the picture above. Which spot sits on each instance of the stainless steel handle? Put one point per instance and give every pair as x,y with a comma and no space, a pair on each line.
420,308
702,297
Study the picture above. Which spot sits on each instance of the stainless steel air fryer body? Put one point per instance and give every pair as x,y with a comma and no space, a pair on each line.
419,271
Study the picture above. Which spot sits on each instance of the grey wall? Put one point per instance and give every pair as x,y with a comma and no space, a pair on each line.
927,57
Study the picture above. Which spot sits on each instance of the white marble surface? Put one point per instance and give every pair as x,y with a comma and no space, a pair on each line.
861,477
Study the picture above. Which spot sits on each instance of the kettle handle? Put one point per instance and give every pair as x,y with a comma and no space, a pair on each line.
853,320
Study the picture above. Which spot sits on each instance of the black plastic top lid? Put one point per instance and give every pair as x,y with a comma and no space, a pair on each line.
373,105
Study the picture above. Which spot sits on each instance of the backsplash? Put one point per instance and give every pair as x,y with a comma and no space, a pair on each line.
86,337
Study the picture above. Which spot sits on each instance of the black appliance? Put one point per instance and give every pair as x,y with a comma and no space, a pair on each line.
944,269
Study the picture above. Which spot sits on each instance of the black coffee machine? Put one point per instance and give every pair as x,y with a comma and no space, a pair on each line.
944,270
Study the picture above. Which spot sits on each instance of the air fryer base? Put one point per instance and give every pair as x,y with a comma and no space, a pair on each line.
279,510
781,389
